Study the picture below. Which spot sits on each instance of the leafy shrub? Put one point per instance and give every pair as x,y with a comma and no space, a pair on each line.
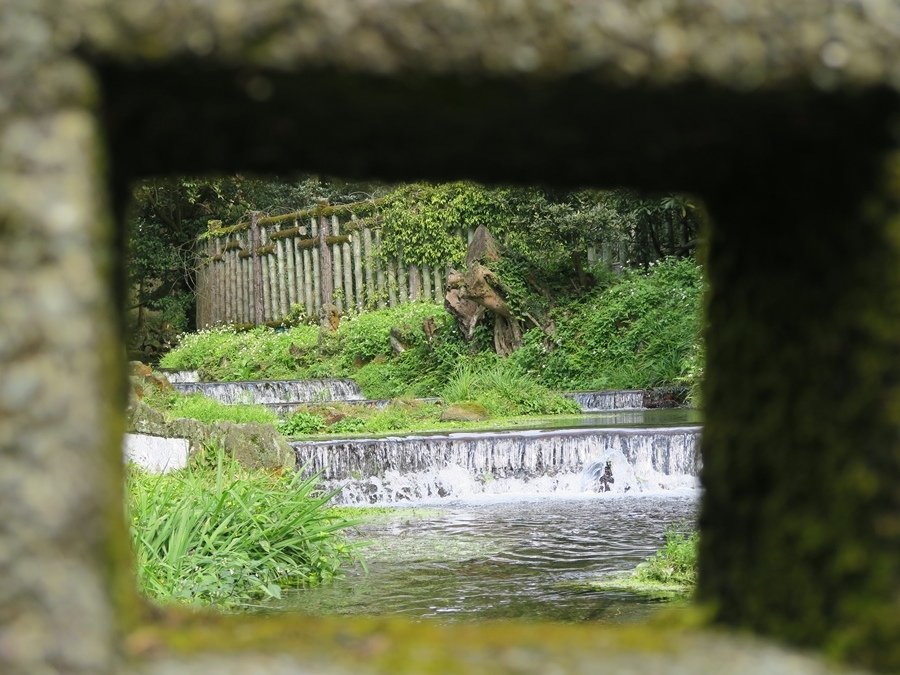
228,536
641,332
302,422
366,336
675,562
504,389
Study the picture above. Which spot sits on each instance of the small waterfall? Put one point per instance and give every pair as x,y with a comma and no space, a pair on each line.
181,376
534,462
275,391
599,401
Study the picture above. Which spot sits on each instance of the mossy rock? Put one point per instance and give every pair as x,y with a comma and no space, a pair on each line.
254,446
467,411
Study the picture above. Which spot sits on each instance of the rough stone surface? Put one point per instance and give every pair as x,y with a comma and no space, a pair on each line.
735,44
801,513
774,111
540,650
464,412
255,446
60,362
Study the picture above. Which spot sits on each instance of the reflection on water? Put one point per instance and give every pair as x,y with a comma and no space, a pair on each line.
658,417
504,560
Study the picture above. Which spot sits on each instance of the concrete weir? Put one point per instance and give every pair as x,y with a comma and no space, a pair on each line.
156,454
275,391
599,401
534,462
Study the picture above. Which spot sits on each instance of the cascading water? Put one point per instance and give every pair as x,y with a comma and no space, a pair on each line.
598,401
181,376
275,391
460,465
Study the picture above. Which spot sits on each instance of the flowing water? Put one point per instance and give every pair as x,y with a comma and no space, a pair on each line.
533,462
524,518
274,391
525,558
595,401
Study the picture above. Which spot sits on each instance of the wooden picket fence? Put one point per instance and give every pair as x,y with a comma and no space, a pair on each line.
260,271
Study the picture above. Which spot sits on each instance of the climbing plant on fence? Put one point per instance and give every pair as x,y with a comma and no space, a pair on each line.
421,221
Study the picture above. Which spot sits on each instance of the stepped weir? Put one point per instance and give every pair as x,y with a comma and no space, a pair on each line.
600,401
571,461
275,391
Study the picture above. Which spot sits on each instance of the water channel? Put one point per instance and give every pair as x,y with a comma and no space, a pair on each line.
498,524
523,558
516,523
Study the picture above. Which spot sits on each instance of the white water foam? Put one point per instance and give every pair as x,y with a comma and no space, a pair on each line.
275,391
463,466
600,401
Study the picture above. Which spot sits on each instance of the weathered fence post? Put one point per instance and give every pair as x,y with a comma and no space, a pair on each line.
426,283
290,251
349,298
379,266
357,263
284,284
369,261
415,285
326,282
273,284
257,269
337,265
243,287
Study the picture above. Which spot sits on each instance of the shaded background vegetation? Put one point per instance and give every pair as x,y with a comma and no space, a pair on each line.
546,235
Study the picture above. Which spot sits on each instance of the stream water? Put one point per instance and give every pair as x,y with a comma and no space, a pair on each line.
515,522
525,517
518,559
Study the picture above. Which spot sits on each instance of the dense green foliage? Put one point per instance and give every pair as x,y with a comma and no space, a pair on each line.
504,389
360,348
421,221
546,233
675,562
228,536
165,220
643,330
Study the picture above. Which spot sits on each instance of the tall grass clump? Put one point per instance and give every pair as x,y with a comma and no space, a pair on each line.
504,389
199,407
228,536
674,563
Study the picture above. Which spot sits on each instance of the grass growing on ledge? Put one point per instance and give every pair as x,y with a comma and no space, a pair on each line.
500,387
199,407
668,575
227,536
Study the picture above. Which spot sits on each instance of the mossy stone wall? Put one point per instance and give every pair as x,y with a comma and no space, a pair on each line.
801,518
777,112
